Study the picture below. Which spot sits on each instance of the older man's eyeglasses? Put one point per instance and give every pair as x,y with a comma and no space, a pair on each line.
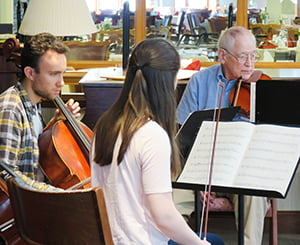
243,58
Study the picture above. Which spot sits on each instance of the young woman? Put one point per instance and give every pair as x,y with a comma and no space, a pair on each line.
134,154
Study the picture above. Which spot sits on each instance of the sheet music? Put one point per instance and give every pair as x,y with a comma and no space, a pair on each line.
246,156
230,146
270,159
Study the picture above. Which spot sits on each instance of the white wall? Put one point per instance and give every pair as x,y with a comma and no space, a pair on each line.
6,11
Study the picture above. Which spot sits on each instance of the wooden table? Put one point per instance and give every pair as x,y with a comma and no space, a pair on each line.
101,90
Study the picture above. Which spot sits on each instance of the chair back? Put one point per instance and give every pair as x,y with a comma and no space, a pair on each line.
167,20
67,217
180,22
196,27
218,24
90,50
191,23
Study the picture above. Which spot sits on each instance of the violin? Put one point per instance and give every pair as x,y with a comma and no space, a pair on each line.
240,95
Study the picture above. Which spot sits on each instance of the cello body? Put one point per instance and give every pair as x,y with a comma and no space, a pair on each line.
61,158
64,150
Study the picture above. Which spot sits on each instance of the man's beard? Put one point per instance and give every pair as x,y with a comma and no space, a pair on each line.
44,96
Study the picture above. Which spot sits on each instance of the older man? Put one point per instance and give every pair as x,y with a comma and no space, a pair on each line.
237,55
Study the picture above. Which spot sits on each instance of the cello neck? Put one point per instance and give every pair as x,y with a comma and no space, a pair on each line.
73,123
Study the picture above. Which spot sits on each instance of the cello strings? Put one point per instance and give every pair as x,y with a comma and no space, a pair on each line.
60,104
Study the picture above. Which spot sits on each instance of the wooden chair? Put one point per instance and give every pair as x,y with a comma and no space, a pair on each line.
218,24
193,35
198,33
74,217
90,50
254,16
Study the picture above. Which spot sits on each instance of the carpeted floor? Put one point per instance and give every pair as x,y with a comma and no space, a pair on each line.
283,239
184,203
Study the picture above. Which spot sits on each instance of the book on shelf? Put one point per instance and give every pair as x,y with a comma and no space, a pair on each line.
253,159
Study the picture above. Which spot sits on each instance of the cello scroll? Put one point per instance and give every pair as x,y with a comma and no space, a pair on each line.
12,50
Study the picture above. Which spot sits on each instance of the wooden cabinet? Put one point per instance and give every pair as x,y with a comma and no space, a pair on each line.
8,73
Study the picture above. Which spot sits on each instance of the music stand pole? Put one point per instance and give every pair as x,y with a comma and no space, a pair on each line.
241,219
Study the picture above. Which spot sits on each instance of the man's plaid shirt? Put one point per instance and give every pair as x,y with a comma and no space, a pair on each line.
18,141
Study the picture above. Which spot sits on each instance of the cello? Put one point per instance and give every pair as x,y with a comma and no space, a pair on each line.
64,150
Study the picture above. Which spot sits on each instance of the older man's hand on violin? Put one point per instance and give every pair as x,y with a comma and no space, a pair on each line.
215,203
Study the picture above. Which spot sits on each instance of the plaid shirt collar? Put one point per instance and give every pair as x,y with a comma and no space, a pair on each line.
29,106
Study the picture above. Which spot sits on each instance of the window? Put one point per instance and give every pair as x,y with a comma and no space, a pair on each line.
112,4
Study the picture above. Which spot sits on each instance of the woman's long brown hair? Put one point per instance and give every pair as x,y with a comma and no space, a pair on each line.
148,93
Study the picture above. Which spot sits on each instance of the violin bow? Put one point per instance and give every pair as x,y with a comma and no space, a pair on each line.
237,91
208,186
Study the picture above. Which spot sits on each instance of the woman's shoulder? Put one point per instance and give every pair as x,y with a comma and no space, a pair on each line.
151,126
153,130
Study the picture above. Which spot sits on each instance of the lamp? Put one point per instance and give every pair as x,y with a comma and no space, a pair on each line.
58,17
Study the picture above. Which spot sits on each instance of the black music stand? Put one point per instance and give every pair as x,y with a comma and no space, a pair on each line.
192,181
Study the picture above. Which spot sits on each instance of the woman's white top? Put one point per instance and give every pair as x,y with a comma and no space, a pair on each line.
145,169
